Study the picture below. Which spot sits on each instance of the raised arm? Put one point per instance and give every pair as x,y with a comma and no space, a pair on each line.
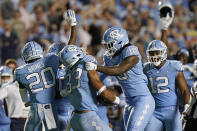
166,16
101,89
164,37
69,15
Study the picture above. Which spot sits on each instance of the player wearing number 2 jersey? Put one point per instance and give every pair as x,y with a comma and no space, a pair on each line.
38,78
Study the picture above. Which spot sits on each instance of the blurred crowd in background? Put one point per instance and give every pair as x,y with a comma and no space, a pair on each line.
25,20
42,21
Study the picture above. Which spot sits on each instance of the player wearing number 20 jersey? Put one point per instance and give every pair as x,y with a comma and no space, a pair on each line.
38,78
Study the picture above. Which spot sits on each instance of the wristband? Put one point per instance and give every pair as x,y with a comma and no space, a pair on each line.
101,90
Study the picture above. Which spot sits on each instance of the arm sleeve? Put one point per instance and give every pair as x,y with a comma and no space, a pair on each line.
55,48
90,58
130,51
178,66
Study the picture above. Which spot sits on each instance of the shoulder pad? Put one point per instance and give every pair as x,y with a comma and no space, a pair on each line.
177,65
89,58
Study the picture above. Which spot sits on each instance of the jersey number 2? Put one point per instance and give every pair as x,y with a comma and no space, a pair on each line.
43,78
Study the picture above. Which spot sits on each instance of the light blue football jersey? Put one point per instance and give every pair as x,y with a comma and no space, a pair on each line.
133,82
162,82
189,76
82,95
39,78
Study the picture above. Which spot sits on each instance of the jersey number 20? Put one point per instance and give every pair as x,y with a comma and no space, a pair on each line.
43,78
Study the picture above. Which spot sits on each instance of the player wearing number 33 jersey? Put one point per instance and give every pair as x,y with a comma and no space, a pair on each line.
81,89
37,76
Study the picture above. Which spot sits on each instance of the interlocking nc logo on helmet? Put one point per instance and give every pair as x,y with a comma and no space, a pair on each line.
115,34
72,48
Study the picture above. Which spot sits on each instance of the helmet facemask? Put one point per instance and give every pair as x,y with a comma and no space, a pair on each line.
156,56
110,48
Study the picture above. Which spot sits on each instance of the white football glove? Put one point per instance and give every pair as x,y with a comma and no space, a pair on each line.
193,90
90,66
166,21
166,14
69,15
185,110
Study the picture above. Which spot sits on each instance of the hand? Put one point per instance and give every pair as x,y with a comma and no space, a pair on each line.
27,104
166,16
64,92
185,110
103,101
90,66
69,15
166,21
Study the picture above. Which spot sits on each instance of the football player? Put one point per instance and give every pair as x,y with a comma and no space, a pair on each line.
64,108
163,75
81,88
123,60
38,76
183,56
189,121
